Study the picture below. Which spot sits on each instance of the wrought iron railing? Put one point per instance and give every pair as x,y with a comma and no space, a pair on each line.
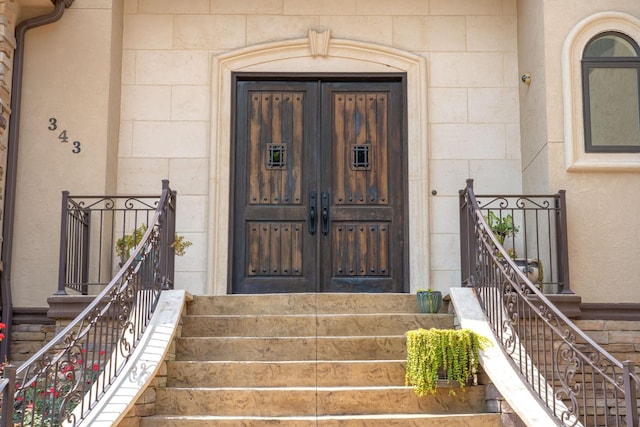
533,229
93,229
579,382
62,382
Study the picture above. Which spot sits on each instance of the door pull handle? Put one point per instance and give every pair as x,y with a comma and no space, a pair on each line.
325,213
313,206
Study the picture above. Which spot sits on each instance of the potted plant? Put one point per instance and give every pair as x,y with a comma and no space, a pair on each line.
502,227
128,242
451,354
429,301
532,268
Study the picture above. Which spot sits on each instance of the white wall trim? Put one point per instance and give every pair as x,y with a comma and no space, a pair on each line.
297,56
575,157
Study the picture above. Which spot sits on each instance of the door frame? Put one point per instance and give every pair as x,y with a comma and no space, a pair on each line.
326,77
303,55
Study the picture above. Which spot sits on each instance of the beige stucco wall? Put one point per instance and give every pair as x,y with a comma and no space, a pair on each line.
533,119
71,73
468,125
604,229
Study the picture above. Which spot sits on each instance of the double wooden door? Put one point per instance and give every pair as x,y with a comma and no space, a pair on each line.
319,178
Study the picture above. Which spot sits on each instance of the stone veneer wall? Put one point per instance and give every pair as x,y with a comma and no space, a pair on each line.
27,339
620,338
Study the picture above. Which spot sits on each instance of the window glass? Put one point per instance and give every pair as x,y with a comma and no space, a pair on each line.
608,46
611,94
613,109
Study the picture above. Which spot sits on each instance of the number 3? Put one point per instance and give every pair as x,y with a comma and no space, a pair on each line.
76,147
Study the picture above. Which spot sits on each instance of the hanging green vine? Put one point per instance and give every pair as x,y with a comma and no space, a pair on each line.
454,352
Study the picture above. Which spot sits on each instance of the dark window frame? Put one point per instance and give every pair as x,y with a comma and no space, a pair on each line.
590,63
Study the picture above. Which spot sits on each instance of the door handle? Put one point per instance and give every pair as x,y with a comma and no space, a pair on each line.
325,213
313,207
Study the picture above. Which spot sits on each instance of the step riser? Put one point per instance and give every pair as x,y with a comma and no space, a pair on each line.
310,325
477,420
304,304
279,402
283,374
292,348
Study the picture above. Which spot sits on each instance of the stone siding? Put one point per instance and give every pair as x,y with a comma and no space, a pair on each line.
27,339
620,338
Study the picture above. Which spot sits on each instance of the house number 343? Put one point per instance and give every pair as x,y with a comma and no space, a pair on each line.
63,135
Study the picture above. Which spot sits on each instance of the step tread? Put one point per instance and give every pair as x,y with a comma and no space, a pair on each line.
292,348
322,417
384,420
311,303
293,373
309,324
306,401
314,388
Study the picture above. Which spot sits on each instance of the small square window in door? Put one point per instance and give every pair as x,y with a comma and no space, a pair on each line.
361,157
276,156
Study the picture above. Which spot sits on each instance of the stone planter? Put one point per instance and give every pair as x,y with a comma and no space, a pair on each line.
532,268
429,301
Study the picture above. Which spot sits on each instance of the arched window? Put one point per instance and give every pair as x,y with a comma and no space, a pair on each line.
611,94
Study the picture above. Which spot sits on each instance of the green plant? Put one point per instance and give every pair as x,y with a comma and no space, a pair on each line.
502,226
180,245
126,243
453,352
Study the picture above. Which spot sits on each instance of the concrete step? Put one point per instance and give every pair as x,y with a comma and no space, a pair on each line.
391,347
311,401
357,373
399,420
310,325
298,360
325,303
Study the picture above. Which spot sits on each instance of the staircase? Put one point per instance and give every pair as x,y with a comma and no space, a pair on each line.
305,360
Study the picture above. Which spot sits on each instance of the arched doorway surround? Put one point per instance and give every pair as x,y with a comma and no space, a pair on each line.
317,53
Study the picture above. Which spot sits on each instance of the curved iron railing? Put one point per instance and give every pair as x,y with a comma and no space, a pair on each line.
580,383
62,382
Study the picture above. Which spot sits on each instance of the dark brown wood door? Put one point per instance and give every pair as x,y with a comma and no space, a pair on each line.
319,187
